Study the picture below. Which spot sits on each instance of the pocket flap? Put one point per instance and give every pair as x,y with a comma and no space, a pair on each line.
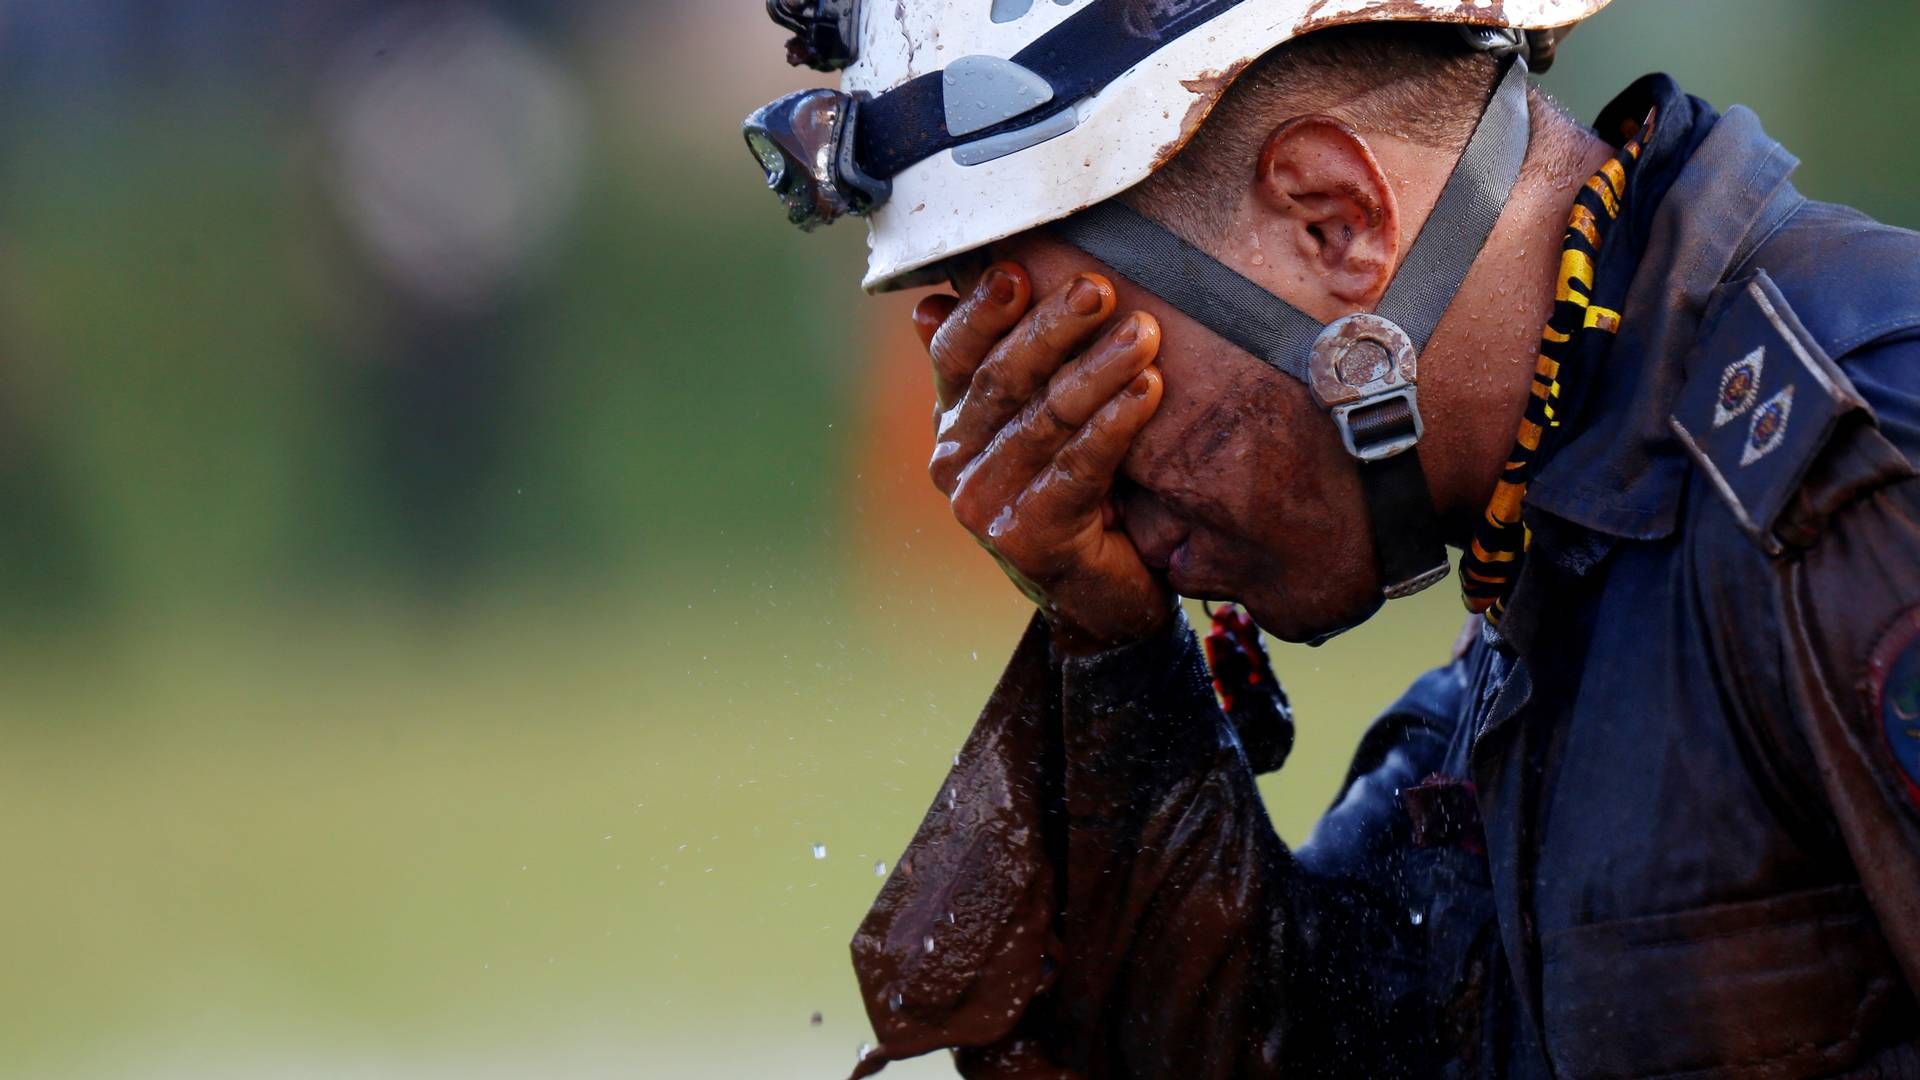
1789,986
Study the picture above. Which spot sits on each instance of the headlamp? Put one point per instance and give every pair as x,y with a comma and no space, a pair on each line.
804,143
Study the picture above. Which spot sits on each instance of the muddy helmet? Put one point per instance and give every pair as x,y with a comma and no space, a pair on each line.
962,122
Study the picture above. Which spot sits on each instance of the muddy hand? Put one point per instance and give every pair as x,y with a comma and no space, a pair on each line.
1035,407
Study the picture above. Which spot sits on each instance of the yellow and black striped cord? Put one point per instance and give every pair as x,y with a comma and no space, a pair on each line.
1500,540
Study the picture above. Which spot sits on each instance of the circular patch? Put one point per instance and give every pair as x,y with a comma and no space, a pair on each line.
1894,676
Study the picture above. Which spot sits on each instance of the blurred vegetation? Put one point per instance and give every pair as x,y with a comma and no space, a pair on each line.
401,692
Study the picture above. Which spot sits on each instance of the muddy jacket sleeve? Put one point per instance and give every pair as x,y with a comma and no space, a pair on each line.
1098,892
1815,619
1847,600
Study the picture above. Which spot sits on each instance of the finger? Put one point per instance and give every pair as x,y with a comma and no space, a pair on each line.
929,313
1022,448
970,331
1017,365
1072,489
1021,363
928,316
1078,390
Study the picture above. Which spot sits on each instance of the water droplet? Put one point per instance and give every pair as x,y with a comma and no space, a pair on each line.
880,868
896,1001
1417,916
865,1050
819,851
926,944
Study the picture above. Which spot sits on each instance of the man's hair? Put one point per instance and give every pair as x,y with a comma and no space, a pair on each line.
1418,82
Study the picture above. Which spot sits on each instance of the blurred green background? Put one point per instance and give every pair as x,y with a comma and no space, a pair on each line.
461,551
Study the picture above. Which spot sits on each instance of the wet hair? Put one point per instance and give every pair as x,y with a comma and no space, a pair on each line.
1414,81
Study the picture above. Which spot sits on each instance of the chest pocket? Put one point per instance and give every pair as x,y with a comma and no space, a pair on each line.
1795,985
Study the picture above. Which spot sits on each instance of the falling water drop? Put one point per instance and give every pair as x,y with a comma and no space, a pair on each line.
880,868
819,851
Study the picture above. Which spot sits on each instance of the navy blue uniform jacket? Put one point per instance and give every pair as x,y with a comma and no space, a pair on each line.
1690,744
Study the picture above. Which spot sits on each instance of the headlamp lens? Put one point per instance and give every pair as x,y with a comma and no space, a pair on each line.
772,162
802,144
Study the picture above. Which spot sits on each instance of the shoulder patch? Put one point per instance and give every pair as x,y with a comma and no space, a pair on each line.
1893,687
1761,399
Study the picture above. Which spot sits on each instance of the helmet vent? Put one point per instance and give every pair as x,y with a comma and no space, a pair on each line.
981,91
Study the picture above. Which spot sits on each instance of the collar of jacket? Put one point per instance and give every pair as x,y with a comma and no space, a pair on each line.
1621,473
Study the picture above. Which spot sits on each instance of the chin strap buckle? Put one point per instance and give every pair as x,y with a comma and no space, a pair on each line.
1363,370
1381,425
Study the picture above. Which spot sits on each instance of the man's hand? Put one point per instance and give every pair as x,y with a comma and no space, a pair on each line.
1032,425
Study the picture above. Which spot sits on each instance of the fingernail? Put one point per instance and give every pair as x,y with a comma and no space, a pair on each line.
1085,297
1140,385
1128,333
1000,286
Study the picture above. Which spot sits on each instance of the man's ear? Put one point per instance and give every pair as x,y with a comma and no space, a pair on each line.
1322,194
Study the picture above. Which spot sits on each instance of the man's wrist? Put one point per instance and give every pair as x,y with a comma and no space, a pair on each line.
1073,641
1151,697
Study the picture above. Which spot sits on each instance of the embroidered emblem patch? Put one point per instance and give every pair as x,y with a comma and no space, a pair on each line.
1769,427
1894,682
1739,387
1761,401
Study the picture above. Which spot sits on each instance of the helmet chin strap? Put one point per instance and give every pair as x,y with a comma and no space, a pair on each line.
1363,369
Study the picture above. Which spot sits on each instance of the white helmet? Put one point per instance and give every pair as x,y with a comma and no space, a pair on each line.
963,122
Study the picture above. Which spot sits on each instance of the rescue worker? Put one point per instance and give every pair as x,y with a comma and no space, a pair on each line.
1268,302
